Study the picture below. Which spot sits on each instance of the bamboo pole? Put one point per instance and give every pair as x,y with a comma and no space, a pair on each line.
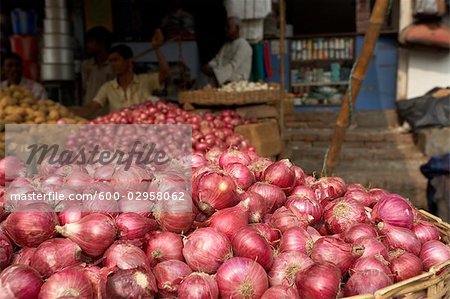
358,75
282,65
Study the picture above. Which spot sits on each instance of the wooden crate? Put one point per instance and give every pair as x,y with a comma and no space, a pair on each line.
432,284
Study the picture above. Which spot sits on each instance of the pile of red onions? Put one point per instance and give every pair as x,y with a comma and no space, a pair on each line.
252,228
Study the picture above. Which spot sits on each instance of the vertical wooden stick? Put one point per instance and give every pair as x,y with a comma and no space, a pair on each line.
359,73
282,65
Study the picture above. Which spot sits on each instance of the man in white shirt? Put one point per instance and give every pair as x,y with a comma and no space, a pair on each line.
127,88
96,70
234,60
12,68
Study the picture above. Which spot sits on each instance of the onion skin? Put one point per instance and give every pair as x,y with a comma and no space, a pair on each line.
38,218
267,232
198,286
342,214
131,283
163,246
124,255
67,283
321,280
394,210
230,220
233,156
296,239
169,275
361,196
303,192
6,251
23,256
255,204
305,206
332,250
369,263
20,281
248,243
241,278
366,282
359,230
434,252
281,174
286,266
284,219
425,231
399,238
94,233
281,292
241,175
206,249
329,188
133,226
405,265
272,194
54,255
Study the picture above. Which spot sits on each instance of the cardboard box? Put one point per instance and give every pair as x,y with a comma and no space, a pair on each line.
258,111
264,137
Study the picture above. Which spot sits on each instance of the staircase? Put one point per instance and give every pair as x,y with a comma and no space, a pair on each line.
375,153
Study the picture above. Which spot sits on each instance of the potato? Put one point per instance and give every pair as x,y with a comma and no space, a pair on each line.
13,118
39,120
53,115
39,114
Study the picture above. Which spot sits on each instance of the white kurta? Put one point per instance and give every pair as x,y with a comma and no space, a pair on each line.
233,62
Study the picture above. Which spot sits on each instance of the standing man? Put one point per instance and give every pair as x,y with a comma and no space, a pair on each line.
127,88
234,60
96,70
12,68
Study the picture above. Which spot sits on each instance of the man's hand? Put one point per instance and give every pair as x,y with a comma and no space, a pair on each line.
208,70
158,39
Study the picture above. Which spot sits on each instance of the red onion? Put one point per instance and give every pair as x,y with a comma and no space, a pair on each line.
394,210
78,180
321,281
366,282
303,191
314,233
258,167
272,194
46,168
197,160
286,266
133,226
255,204
104,173
361,196
241,278
11,167
175,216
141,207
124,255
214,191
31,225
342,214
68,283
206,249
329,188
434,252
296,239
281,292
94,233
359,187
425,231
198,286
310,182
404,265
134,179
267,232
20,281
359,230
372,247
213,155
399,238
55,255
169,275
97,276
281,174
306,206
233,156
230,220
284,219
99,204
248,243
329,249
299,175
377,194
6,251
241,175
71,213
369,263
131,283
163,246
23,256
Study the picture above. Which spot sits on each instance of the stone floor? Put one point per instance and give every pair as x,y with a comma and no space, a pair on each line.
376,153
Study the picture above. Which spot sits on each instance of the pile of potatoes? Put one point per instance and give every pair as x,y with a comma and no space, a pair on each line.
18,106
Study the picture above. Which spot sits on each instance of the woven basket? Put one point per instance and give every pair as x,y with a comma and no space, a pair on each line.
432,284
215,97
